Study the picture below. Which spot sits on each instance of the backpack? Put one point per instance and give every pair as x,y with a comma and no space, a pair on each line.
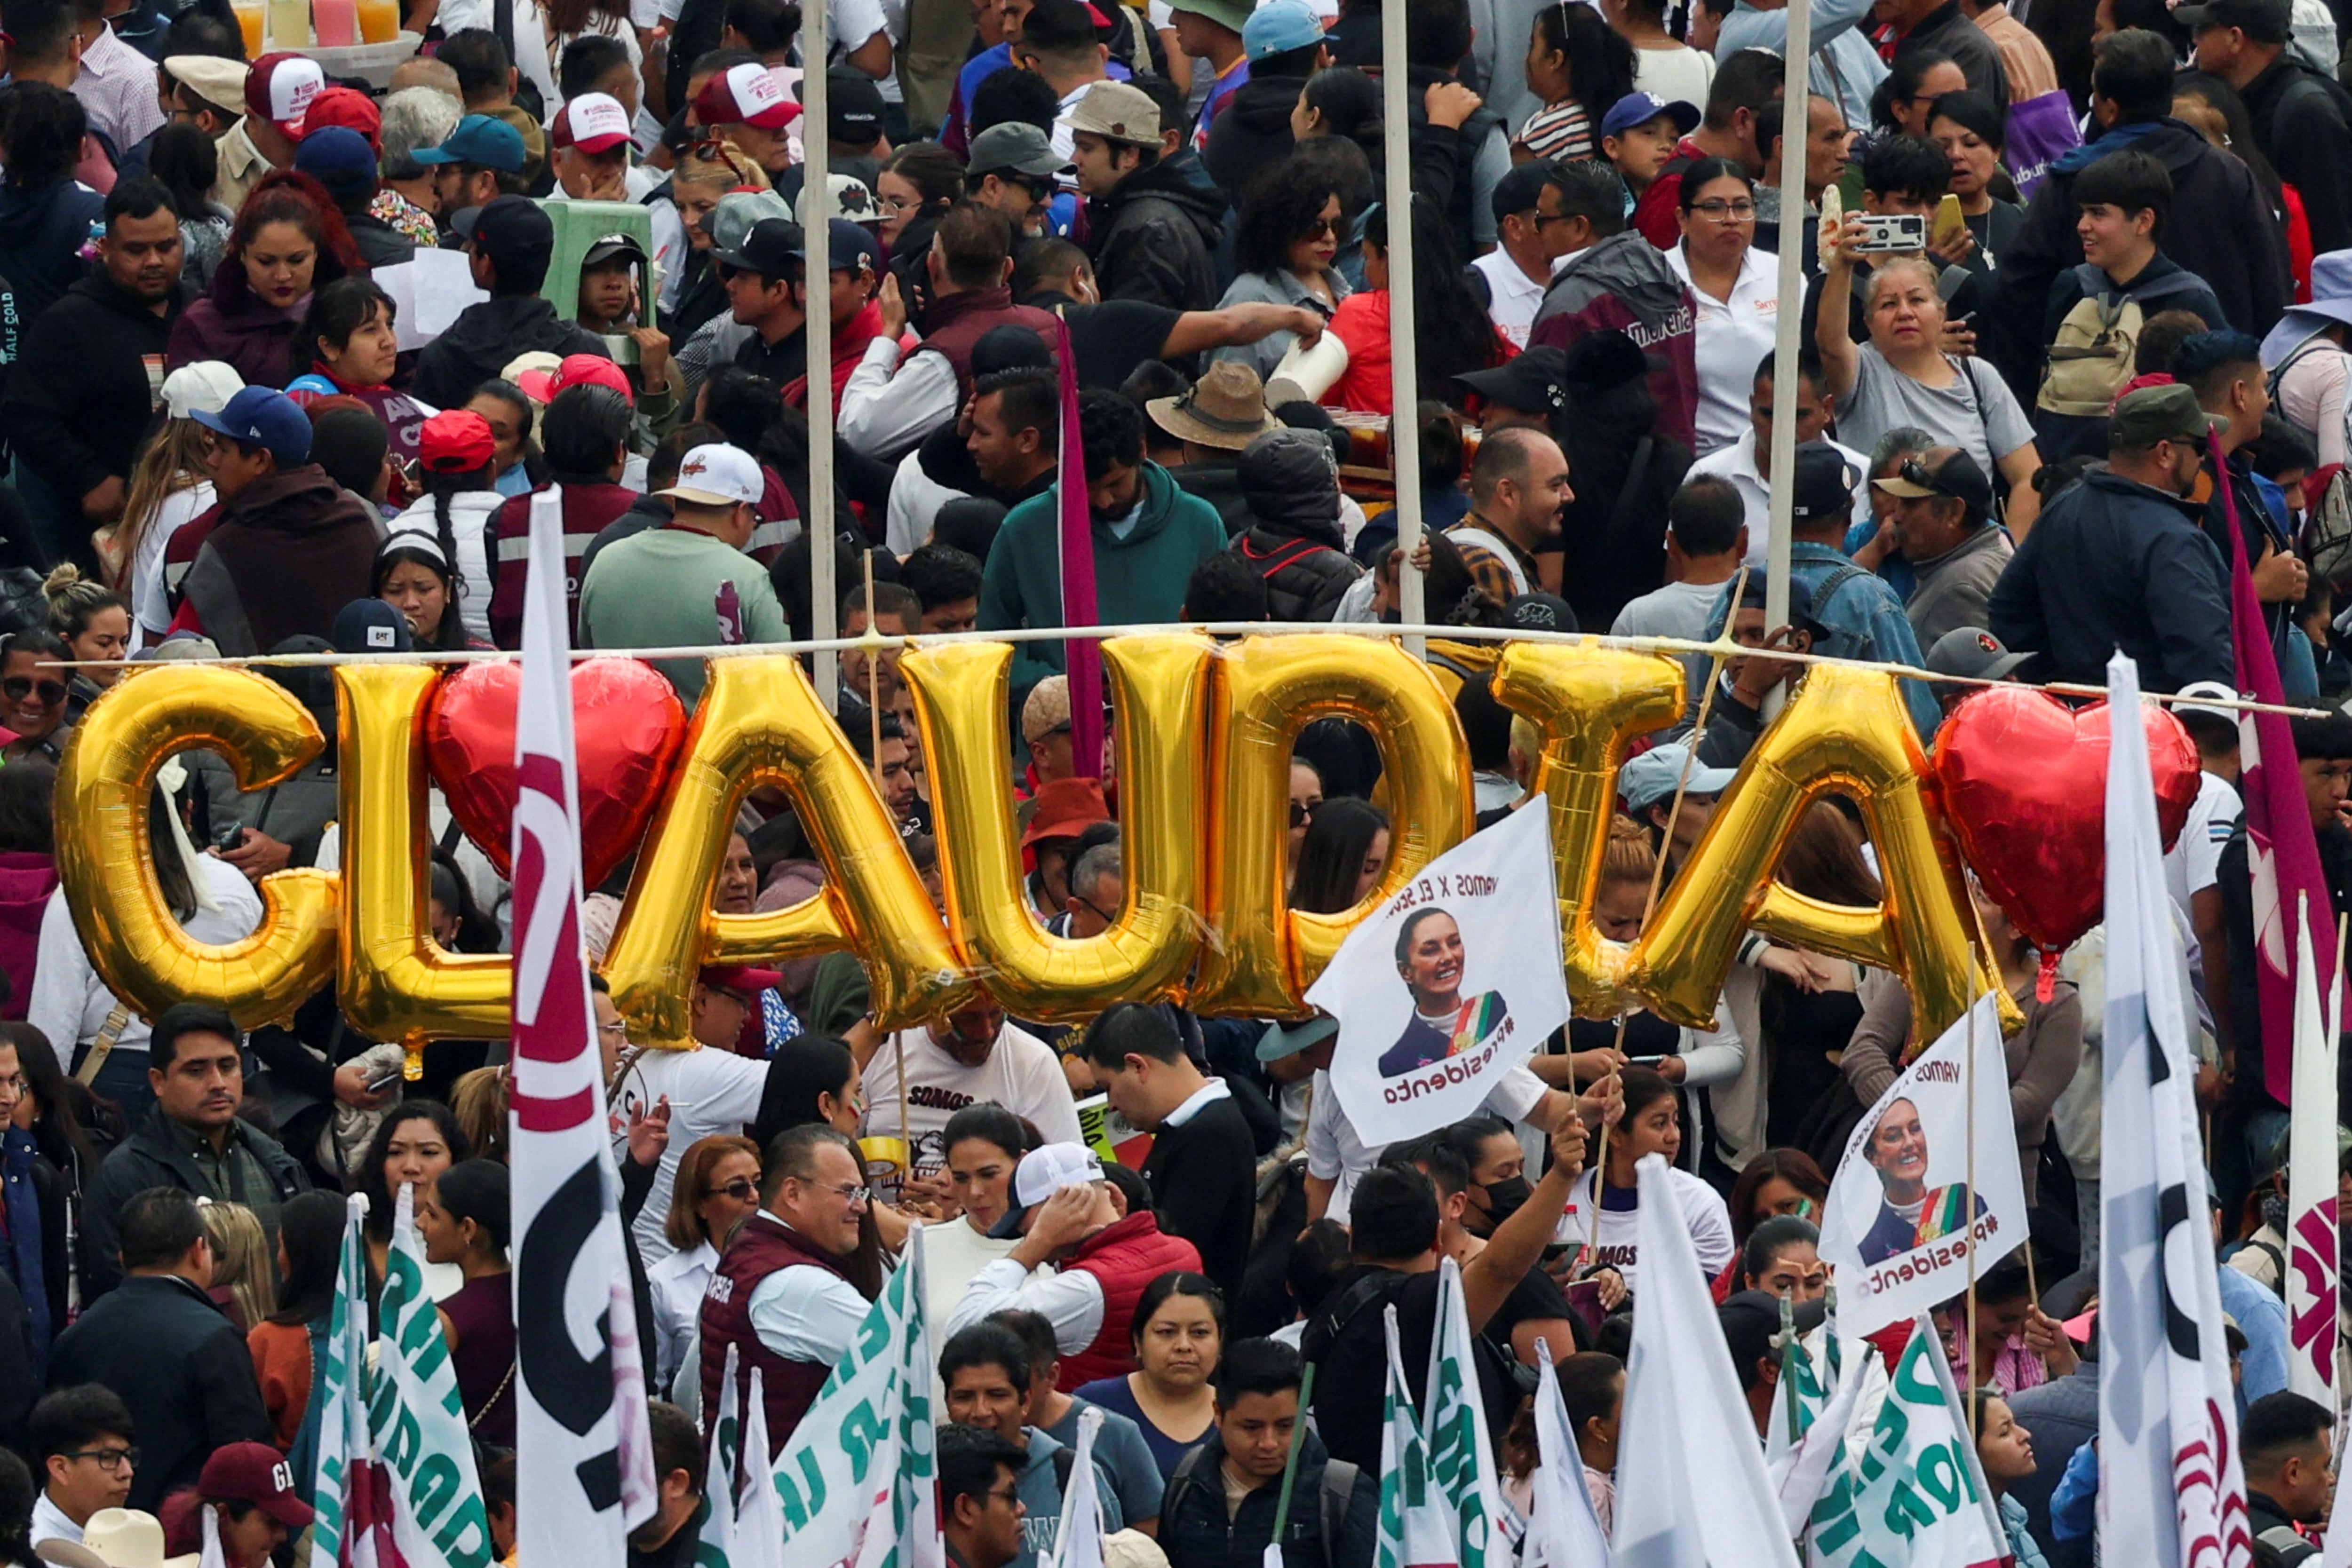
2327,530
1331,1497
2090,362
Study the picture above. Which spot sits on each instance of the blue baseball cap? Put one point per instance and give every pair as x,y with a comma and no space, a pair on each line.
479,138
854,248
338,158
1637,109
1279,27
267,418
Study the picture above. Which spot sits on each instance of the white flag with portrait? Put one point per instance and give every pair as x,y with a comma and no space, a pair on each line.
1449,984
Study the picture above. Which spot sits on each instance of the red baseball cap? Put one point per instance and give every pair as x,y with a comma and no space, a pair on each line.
281,89
747,94
456,440
351,110
739,978
259,1474
1066,808
594,122
576,371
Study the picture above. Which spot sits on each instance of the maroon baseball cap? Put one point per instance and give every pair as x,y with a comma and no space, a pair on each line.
740,978
279,89
259,1474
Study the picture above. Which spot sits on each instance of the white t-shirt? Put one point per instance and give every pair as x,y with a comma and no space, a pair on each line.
150,606
1680,74
710,1091
1334,1153
676,1285
2191,865
1734,335
1614,1244
69,1003
1512,297
1020,1074
1737,464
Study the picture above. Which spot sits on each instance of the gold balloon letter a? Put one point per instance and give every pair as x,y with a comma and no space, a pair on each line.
760,722
104,782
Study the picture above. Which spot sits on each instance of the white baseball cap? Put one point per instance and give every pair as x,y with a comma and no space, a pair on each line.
718,475
593,121
204,387
1042,1172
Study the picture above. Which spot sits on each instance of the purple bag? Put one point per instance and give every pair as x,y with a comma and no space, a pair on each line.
2040,130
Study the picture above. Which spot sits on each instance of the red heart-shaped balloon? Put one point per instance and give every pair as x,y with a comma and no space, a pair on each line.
628,726
2023,780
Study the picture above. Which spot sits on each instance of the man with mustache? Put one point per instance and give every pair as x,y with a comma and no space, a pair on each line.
1443,1023
191,1139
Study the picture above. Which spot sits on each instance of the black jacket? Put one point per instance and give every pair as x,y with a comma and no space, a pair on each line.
153,1156
1196,1532
160,1344
1948,31
1291,486
79,402
481,341
1153,237
1250,133
2303,123
1203,1178
2276,1540
380,244
2113,564
2234,240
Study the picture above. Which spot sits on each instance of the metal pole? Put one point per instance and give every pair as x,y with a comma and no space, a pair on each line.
824,591
1405,423
1797,63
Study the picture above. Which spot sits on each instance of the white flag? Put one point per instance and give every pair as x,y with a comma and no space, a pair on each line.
2171,1491
1897,1227
1461,1453
759,1516
416,1419
856,1479
351,1494
1449,984
1917,1497
1562,1529
1079,1542
1692,1492
715,1539
2310,1275
1413,1530
584,1468
1802,1468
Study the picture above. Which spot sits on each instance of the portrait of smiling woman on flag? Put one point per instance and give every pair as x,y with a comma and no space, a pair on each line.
1911,1213
1443,1023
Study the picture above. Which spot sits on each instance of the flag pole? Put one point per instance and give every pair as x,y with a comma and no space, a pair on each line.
1787,332
825,587
1968,1213
1657,881
1297,1441
1404,420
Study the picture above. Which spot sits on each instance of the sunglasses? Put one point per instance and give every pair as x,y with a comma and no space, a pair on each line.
1303,812
741,1189
19,687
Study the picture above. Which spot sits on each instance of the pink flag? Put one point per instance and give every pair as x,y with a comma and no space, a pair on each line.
1083,656
584,1472
2282,851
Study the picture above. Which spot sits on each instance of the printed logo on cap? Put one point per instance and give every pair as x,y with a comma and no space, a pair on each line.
755,90
595,121
1989,644
377,637
293,83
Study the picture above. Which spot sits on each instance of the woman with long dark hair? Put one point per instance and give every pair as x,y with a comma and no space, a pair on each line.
466,1221
413,575
1580,65
283,1345
1608,1197
347,337
458,452
1292,224
417,1142
1452,333
289,241
1341,857
1918,77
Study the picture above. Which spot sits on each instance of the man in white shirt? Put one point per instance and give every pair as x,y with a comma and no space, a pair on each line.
1530,230
961,1059
708,1088
1707,539
2192,866
80,1439
1742,462
781,1296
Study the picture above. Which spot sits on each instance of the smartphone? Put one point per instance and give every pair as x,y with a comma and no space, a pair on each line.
231,837
1884,232
378,1085
1643,1060
1949,221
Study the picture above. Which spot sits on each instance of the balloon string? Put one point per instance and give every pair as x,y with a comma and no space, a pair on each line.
1650,907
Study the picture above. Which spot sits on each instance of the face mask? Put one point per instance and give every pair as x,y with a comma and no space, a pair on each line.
1506,1198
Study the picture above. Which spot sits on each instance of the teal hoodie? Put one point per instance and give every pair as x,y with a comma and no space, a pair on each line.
1139,580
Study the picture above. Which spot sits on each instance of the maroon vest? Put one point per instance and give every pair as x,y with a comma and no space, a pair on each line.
762,1246
952,325
1123,1259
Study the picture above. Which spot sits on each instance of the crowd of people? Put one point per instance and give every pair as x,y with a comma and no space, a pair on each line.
2077,329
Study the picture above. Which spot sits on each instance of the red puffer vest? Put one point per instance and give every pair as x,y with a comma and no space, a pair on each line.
762,1246
1123,1259
954,326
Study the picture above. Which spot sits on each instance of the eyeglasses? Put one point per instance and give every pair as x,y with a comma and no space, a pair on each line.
1096,909
1303,812
1723,212
853,1194
19,687
741,1189
618,1030
901,204
106,1460
1009,1496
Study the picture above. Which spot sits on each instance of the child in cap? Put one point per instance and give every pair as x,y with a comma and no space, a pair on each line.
1638,136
